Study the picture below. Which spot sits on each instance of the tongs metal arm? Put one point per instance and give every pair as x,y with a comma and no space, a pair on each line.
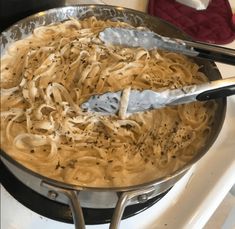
213,52
150,40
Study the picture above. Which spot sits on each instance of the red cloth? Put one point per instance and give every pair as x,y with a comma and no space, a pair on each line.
212,25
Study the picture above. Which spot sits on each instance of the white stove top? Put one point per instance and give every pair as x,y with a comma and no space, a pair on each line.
189,204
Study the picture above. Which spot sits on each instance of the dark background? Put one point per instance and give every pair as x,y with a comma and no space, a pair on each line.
13,10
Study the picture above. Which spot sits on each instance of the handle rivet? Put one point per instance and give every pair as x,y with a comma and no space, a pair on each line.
52,195
142,198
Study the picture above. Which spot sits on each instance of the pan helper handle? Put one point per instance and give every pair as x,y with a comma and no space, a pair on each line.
125,199
69,197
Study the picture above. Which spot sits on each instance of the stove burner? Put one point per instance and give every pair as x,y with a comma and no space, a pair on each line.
58,211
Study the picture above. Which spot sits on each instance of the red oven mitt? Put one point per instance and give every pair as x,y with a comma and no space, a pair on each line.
212,25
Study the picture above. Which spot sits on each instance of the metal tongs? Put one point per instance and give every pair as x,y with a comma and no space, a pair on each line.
150,40
138,101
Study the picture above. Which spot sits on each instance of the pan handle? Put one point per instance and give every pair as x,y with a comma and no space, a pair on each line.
124,199
69,197
76,209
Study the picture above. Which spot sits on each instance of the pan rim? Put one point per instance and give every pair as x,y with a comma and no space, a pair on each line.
153,182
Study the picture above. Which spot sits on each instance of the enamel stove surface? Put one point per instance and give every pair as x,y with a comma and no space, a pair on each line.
189,204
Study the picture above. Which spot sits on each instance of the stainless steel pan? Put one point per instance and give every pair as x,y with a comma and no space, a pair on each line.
118,198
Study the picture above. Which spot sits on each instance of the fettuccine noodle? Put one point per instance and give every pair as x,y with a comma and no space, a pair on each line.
48,75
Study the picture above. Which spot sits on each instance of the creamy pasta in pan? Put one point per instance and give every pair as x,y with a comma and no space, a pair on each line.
48,75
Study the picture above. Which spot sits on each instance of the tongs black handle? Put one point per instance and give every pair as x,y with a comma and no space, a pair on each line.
212,52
